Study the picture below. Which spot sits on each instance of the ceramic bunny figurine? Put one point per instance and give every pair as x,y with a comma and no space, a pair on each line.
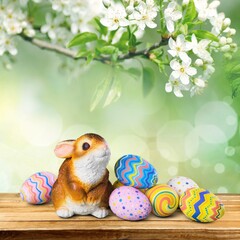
82,186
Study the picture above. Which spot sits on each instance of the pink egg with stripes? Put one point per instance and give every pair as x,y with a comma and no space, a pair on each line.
37,188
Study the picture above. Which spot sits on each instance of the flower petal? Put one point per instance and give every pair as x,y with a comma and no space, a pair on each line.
123,22
191,71
194,40
180,40
168,87
12,50
175,65
184,78
176,15
171,43
106,22
175,74
177,92
151,24
170,25
172,52
184,57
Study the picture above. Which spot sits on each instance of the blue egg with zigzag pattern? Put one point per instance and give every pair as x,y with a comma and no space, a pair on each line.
132,170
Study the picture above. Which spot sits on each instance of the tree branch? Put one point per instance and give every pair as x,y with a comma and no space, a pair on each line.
72,54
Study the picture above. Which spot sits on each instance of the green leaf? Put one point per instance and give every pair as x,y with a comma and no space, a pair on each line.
90,57
132,42
236,87
108,50
82,53
100,91
82,38
202,34
114,92
236,69
102,29
148,81
191,12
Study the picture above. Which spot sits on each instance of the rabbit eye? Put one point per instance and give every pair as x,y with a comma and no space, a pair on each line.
85,146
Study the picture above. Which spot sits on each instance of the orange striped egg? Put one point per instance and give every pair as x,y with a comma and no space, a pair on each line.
201,205
164,200
37,188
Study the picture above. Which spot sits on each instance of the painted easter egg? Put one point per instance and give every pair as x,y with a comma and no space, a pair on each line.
132,170
37,188
181,184
201,205
117,184
129,203
164,200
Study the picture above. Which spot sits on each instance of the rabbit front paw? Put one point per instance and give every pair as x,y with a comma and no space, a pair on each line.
100,213
64,212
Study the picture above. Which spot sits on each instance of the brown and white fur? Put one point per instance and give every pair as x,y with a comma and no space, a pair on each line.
82,186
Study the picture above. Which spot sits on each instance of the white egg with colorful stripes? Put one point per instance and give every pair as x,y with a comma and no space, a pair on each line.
37,188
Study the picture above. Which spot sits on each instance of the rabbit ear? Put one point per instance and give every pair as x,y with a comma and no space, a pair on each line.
64,149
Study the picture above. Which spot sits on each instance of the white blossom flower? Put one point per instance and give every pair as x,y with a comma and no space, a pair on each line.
199,84
182,71
174,85
199,48
171,15
78,24
208,71
12,26
61,6
179,47
205,10
28,30
63,36
115,17
145,14
217,23
51,25
7,45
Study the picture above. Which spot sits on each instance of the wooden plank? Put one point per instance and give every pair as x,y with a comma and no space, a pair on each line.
19,220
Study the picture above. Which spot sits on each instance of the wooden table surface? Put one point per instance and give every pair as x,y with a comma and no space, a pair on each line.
19,220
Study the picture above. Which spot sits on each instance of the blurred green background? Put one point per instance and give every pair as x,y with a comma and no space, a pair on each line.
40,105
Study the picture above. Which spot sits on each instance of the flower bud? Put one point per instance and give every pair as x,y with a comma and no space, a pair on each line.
152,56
223,40
229,40
233,45
130,9
232,31
228,56
199,82
225,48
226,22
106,3
199,62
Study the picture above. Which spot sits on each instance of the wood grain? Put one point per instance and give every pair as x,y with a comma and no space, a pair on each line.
19,220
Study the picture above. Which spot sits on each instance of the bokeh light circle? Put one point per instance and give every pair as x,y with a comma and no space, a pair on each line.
216,122
177,141
41,127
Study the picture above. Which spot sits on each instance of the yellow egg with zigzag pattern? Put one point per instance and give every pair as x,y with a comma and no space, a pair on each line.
200,205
